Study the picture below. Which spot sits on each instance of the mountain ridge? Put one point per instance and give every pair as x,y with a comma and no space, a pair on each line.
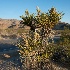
15,23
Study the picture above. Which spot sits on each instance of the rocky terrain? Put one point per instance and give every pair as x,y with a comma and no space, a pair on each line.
9,23
9,29
5,23
61,25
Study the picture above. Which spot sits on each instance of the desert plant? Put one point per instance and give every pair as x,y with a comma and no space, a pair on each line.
62,49
65,41
33,47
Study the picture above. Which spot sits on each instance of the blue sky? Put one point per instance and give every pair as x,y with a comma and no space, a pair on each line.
12,9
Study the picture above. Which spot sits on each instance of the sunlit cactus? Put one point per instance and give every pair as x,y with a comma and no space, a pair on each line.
36,42
38,10
26,13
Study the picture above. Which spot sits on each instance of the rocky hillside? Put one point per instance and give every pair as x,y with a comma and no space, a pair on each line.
9,23
61,25
14,23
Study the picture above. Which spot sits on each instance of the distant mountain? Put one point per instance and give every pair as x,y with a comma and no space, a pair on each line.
9,23
61,26
14,23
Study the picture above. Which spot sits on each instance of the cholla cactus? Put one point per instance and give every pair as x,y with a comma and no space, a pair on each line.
38,10
36,35
38,41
